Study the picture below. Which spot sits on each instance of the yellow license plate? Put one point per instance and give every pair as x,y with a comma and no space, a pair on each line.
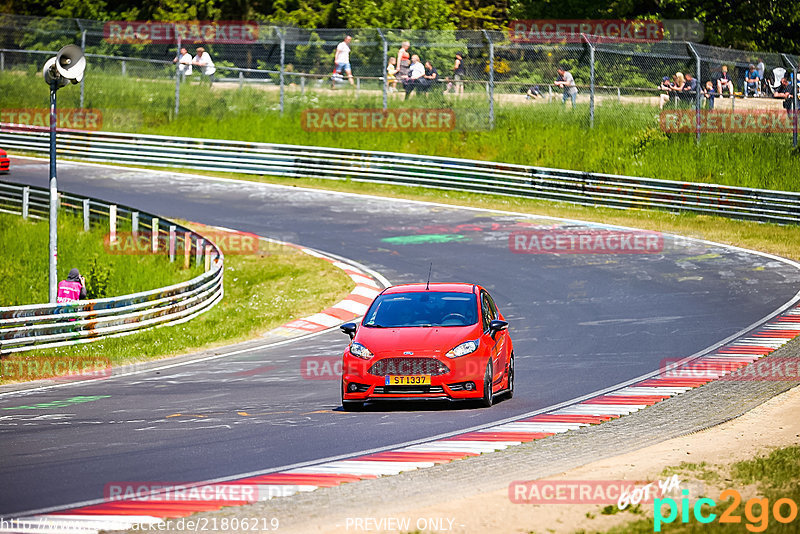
408,380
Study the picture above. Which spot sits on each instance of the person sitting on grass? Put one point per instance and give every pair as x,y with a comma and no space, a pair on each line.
666,91
72,289
430,79
724,81
752,83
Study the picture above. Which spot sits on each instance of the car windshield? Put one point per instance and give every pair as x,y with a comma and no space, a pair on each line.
428,308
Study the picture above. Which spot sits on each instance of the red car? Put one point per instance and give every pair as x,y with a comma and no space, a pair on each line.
428,341
5,163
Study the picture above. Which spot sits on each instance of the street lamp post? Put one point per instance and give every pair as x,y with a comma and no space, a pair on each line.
67,67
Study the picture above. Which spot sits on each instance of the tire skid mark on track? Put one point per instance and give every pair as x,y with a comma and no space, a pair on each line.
716,364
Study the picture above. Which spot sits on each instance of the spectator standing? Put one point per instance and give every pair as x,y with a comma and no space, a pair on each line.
403,60
724,81
459,71
689,89
416,71
761,68
341,60
391,74
184,62
567,83
666,88
709,93
72,289
752,82
202,59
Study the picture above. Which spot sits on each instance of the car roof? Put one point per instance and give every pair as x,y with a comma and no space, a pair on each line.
438,287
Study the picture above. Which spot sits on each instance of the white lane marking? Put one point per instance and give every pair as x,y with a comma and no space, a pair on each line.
351,306
364,291
535,427
600,409
323,319
633,390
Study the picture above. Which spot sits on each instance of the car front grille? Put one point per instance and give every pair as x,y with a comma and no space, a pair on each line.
408,366
407,390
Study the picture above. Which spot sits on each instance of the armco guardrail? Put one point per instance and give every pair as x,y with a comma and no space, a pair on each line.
592,189
52,325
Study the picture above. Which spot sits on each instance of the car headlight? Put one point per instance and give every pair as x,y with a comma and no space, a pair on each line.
360,351
465,348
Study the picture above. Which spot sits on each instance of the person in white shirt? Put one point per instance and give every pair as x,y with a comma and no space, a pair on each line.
184,61
204,62
341,61
415,73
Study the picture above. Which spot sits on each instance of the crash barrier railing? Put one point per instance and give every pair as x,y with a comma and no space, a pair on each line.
38,326
590,189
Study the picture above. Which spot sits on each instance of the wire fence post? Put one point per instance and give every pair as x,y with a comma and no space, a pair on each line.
591,79
178,75
26,195
490,86
283,61
83,79
696,57
385,66
791,64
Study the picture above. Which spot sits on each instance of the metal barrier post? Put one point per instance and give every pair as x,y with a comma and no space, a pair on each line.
2,61
112,223
178,75
154,234
172,243
241,80
385,66
591,79
283,60
302,85
53,245
86,214
490,85
791,64
697,91
83,48
208,257
124,69
135,224
187,249
26,195
198,251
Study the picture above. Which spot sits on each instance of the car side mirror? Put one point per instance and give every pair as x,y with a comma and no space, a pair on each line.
496,326
349,329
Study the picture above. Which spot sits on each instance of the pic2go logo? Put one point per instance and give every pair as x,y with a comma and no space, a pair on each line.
756,511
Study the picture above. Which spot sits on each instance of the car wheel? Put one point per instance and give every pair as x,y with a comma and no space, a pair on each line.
488,397
351,406
510,392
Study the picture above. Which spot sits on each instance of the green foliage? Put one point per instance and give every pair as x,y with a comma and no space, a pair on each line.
97,278
415,14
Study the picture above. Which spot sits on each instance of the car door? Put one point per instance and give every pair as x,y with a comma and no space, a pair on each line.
502,338
489,314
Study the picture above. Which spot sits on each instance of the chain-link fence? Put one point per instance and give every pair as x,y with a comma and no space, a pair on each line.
476,76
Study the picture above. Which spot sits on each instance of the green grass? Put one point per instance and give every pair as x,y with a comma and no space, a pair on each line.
626,139
24,267
775,474
262,291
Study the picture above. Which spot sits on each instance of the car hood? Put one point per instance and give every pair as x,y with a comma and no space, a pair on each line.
424,340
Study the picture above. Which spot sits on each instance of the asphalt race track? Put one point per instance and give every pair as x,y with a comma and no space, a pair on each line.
580,323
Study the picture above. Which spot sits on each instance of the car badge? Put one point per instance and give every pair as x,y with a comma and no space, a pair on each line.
408,353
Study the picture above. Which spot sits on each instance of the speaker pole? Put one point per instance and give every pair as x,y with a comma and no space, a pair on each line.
53,195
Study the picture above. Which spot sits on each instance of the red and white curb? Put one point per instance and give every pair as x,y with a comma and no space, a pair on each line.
735,355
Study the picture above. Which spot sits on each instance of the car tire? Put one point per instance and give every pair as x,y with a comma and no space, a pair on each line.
510,391
351,406
488,396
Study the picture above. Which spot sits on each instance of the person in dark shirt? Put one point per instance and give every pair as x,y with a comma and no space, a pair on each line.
709,93
689,90
784,92
430,79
